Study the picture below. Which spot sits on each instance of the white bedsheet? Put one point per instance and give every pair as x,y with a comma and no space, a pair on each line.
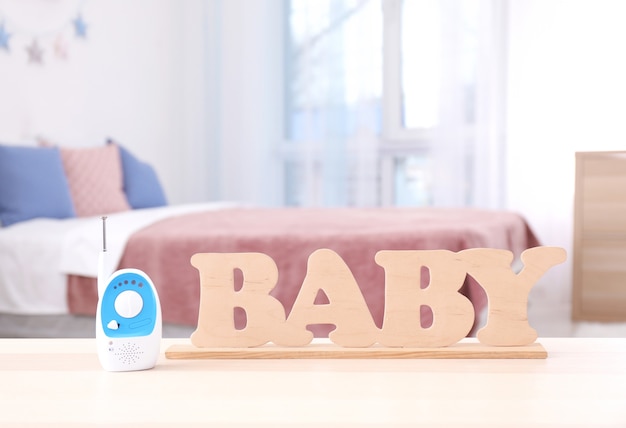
37,255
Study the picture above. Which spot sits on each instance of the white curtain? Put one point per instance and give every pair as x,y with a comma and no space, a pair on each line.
333,90
243,102
490,163
469,146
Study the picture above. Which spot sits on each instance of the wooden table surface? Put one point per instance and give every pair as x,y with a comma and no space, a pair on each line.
59,382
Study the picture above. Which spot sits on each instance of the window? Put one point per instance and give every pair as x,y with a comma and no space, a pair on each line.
382,103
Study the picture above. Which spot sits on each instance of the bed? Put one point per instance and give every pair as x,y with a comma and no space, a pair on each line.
165,240
48,265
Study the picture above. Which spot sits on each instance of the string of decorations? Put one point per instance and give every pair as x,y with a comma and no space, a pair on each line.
35,42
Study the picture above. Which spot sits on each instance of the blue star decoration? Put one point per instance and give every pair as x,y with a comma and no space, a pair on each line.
80,27
4,37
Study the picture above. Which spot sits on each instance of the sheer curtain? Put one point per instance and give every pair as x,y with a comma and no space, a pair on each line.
242,102
333,80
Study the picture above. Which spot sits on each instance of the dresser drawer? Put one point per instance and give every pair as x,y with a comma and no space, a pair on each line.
601,190
602,275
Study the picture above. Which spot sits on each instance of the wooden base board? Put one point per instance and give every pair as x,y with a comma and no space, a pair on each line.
315,351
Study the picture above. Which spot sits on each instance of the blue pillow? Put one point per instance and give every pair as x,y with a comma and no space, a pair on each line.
32,184
141,183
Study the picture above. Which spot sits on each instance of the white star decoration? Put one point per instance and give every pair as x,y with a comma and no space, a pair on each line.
35,53
60,47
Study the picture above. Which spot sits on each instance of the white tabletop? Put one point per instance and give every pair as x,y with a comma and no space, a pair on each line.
59,382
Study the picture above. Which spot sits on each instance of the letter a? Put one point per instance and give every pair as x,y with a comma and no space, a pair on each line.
347,309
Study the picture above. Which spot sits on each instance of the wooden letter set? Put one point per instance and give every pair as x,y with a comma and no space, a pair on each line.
270,333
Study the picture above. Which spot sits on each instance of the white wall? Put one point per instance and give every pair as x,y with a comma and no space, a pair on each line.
567,93
192,86
129,79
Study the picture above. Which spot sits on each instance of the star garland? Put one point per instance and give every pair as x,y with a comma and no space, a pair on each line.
12,35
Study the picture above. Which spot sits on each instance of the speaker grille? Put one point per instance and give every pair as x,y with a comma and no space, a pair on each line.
128,353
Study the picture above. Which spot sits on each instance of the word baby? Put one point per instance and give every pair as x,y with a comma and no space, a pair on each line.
453,313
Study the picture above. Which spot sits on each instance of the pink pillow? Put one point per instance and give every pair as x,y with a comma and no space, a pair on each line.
95,179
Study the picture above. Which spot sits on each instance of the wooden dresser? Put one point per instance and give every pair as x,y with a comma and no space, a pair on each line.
599,259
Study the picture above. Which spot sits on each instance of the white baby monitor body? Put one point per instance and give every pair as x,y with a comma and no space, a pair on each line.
128,317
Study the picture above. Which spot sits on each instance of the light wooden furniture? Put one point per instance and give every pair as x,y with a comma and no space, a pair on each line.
59,383
331,351
507,293
599,257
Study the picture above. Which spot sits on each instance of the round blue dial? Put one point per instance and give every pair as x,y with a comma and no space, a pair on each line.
129,307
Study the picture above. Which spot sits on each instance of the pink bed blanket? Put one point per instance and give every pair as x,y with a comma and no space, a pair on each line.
289,236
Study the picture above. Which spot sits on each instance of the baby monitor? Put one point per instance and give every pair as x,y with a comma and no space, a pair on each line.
128,317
